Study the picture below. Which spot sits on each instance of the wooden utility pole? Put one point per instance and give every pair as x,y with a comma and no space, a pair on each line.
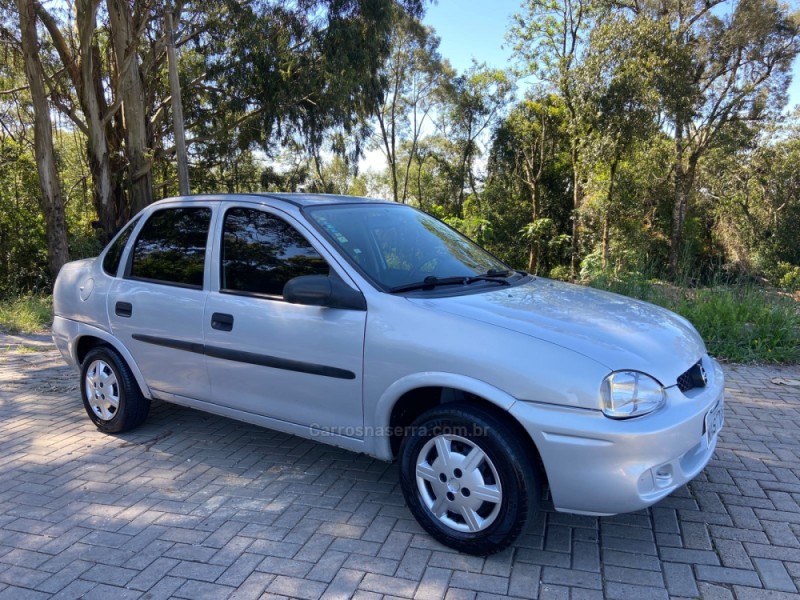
177,109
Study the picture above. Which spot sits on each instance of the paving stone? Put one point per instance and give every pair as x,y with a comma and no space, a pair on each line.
388,585
774,575
746,593
692,557
633,576
344,585
626,591
680,580
524,581
479,582
727,575
434,584
571,578
295,587
709,591
201,590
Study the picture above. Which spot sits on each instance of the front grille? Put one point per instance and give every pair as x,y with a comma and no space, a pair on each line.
695,377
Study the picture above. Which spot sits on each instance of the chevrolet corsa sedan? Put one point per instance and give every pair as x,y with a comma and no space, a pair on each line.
372,326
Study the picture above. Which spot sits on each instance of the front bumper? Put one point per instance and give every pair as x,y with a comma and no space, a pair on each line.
600,466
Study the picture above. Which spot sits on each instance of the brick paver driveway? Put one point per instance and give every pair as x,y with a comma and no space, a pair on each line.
192,505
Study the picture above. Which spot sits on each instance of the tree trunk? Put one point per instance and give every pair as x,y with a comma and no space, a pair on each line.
684,180
533,255
181,156
577,200
51,201
607,215
83,74
123,35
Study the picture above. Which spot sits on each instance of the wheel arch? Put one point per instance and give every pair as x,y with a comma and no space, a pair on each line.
408,398
88,340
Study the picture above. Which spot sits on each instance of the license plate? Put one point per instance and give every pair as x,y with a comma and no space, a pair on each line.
714,420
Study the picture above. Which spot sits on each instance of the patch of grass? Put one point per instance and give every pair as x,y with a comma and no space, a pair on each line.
743,324
26,314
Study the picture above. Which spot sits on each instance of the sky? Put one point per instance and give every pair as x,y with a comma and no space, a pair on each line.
476,29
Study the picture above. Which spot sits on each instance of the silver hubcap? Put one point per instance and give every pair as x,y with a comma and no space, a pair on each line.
458,483
102,390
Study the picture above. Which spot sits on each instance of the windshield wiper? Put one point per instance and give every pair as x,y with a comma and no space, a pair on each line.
500,277
431,281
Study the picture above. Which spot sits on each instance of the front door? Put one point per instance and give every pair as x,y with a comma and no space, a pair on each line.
300,364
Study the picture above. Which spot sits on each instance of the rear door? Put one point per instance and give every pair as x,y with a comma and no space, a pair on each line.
157,308
300,364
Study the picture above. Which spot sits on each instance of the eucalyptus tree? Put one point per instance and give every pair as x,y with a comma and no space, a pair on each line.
415,75
275,72
474,105
51,200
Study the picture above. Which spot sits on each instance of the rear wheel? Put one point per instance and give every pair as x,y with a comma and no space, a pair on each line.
111,396
467,478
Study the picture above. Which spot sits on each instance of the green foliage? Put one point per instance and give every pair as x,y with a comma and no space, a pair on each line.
785,275
23,244
26,314
561,272
742,323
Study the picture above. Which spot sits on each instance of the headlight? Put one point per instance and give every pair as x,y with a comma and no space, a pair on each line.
630,394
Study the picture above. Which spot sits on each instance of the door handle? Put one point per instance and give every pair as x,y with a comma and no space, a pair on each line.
123,309
222,321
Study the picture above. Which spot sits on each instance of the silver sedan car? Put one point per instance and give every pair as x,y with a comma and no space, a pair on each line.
372,326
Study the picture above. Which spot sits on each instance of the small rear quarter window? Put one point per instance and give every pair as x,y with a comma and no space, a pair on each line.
114,254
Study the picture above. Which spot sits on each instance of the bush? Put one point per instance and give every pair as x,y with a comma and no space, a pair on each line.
26,314
791,279
560,272
739,323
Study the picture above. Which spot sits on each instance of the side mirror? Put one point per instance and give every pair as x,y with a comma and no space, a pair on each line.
323,290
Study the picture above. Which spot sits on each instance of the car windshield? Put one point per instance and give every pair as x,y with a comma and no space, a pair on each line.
401,248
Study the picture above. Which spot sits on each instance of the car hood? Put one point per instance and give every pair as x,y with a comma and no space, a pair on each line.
616,331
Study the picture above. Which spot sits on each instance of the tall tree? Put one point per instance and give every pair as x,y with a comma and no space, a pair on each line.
533,134
475,104
80,61
302,71
126,30
414,73
717,63
549,39
52,202
623,102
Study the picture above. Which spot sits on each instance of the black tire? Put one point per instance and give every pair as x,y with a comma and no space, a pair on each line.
111,396
466,522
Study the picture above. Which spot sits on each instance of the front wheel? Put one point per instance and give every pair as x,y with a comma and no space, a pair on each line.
111,396
467,478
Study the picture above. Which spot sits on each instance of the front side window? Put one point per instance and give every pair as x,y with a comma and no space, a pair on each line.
114,254
261,252
171,247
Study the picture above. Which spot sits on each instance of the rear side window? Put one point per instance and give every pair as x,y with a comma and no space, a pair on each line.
261,252
171,247
114,254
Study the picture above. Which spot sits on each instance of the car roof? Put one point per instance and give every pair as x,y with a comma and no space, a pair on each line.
298,199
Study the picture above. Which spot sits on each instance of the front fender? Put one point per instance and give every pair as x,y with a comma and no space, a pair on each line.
67,335
381,445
